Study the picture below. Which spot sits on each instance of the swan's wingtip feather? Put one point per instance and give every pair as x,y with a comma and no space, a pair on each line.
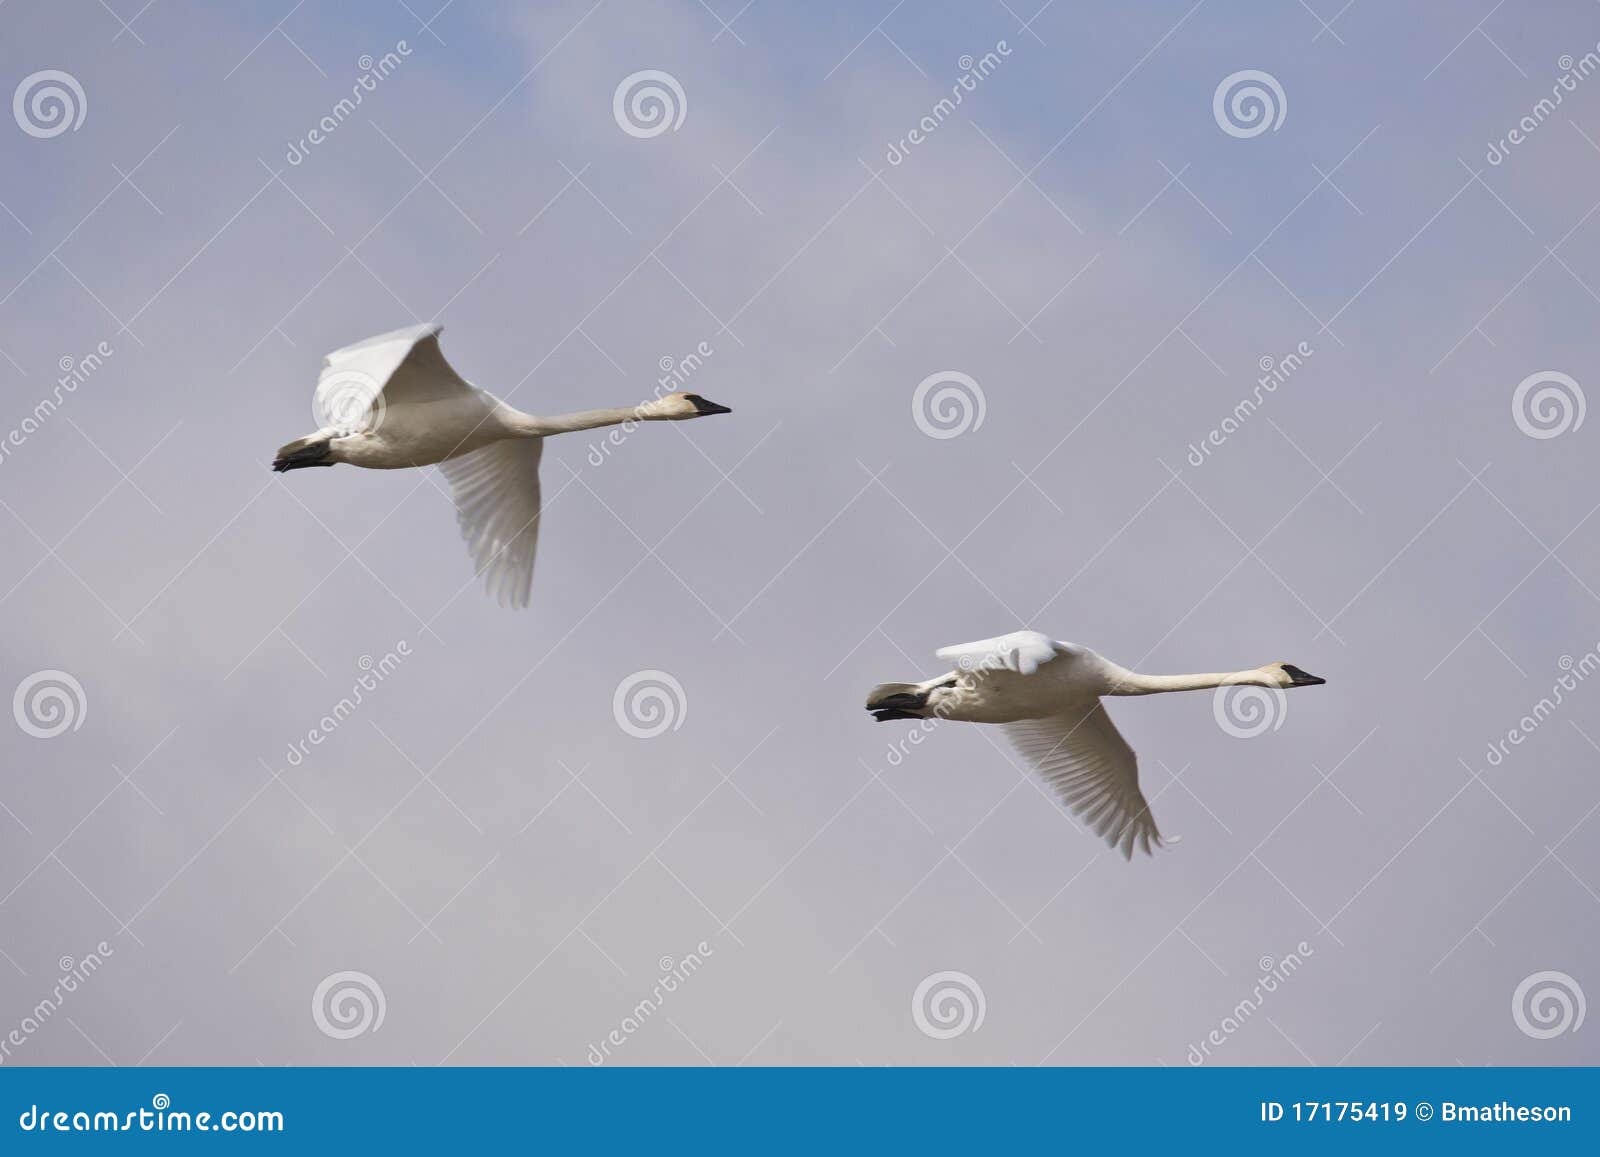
410,334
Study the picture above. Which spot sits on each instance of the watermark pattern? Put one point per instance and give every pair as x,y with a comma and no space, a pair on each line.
648,103
348,399
675,373
1246,710
948,1004
373,672
948,404
49,703
1249,102
48,103
1572,71
73,973
348,1004
1547,404
74,373
674,973
1576,671
372,72
1547,1004
1274,373
973,72
1274,974
899,749
649,703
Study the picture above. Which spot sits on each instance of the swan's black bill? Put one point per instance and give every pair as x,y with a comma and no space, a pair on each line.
701,406
1299,678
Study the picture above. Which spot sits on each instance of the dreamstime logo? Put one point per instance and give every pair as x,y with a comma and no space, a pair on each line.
649,703
674,973
348,399
648,103
348,1004
372,72
948,404
373,672
74,373
73,974
48,703
1249,102
156,1119
48,103
675,373
948,1004
900,750
1244,710
1275,973
1547,404
1573,673
973,72
1274,373
1548,1004
1572,71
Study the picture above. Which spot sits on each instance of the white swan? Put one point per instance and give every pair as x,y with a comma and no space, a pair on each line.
1047,695
392,401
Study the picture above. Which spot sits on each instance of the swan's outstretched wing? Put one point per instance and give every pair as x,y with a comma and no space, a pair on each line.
1080,754
1020,651
403,367
497,504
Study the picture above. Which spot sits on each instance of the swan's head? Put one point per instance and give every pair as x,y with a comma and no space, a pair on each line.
1286,675
677,407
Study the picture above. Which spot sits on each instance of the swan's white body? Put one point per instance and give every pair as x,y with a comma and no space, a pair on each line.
393,402
1046,694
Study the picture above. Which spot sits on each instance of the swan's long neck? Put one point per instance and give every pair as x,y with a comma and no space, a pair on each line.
1125,682
530,426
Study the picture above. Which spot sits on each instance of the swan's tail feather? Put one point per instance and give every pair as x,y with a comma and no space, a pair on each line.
302,452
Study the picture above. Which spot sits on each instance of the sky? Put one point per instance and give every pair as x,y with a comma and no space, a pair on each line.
1200,383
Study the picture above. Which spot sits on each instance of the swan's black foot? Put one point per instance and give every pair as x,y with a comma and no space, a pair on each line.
315,454
902,700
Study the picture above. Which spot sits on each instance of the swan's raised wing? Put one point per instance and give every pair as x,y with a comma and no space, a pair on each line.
403,367
497,504
1020,651
1080,754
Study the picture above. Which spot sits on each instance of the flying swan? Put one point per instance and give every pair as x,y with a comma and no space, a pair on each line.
393,401
1047,696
